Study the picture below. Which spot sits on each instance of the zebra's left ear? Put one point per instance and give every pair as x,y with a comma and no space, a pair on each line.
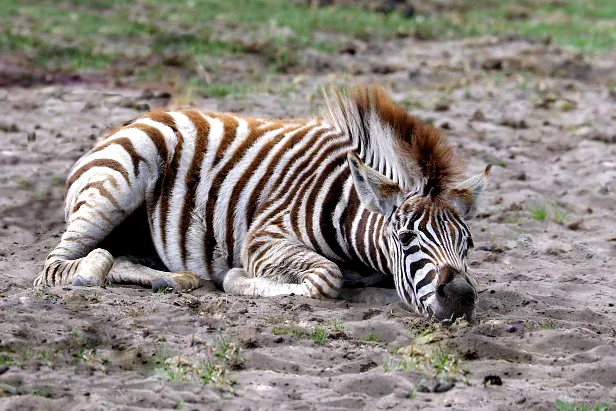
466,195
376,192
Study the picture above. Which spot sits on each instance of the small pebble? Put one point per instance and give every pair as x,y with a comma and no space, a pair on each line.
278,340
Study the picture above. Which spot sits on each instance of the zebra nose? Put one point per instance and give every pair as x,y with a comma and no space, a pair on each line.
459,290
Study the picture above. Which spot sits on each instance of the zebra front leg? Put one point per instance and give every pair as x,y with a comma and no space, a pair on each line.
280,267
127,270
237,282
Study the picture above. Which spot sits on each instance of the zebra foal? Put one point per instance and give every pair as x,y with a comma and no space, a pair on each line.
272,207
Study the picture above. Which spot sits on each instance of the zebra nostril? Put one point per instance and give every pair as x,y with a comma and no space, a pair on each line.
458,289
440,291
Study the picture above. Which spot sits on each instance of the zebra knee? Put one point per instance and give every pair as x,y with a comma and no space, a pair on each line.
324,282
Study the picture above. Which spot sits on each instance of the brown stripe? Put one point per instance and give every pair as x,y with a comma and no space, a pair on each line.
167,186
348,217
78,205
360,235
79,237
316,285
323,217
219,178
161,117
193,176
157,138
101,162
103,216
230,126
68,270
243,181
296,198
81,218
325,278
253,202
128,146
159,141
228,123
301,168
326,223
100,186
372,247
53,273
378,234
54,254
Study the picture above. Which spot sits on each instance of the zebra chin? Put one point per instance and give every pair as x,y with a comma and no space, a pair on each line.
455,299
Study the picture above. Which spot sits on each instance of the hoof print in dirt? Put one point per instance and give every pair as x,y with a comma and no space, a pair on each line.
492,380
439,387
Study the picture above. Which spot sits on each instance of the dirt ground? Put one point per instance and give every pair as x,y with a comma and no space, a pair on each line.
544,255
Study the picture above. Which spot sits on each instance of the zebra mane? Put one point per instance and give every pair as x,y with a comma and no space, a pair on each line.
388,139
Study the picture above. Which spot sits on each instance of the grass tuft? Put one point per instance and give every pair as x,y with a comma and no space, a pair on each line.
372,337
567,406
432,360
539,213
319,335
213,367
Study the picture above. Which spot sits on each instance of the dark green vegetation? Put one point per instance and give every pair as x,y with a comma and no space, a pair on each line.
185,42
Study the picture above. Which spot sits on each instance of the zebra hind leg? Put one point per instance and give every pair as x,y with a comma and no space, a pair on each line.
95,207
86,271
129,270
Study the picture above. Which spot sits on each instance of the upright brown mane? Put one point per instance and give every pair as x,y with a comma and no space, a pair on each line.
390,140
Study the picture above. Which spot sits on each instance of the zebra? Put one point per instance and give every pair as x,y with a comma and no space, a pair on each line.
267,207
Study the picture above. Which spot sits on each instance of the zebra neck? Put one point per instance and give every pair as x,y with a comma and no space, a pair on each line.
365,236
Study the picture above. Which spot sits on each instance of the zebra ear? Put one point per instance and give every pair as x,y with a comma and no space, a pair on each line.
376,192
466,195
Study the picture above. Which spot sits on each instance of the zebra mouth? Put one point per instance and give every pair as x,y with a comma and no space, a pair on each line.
426,296
423,300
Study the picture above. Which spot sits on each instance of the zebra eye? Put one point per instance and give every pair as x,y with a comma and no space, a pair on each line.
406,237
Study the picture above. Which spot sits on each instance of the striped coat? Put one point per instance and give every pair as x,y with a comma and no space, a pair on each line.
262,207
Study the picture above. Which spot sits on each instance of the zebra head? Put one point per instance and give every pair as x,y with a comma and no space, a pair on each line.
428,239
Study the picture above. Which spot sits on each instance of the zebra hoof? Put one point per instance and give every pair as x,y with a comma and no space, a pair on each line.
163,284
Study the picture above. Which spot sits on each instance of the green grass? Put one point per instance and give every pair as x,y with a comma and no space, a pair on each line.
434,361
560,215
6,359
539,213
296,332
555,212
23,184
319,335
372,337
567,406
155,35
212,367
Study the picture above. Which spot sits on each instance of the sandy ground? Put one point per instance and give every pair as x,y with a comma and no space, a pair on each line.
547,320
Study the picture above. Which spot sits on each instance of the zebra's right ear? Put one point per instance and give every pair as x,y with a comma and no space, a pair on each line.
376,192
